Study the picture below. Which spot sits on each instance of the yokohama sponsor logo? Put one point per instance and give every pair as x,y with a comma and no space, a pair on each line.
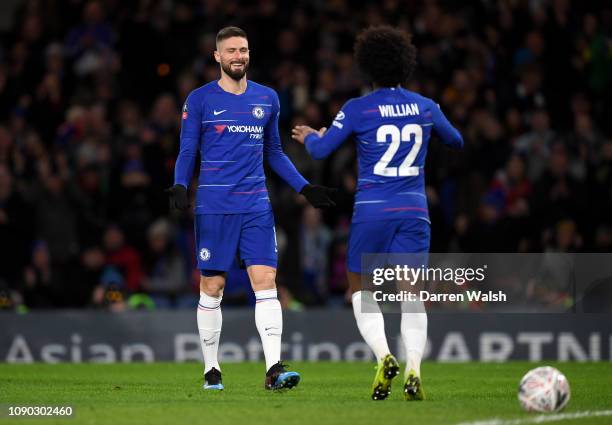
245,128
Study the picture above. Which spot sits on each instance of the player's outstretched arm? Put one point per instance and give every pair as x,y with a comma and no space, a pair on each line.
185,162
317,196
278,160
450,135
320,144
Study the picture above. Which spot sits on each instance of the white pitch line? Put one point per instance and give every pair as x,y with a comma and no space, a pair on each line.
540,419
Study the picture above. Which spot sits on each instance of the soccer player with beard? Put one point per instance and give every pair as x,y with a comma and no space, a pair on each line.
391,127
233,123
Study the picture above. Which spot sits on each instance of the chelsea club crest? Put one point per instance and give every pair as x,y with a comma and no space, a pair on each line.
258,112
204,254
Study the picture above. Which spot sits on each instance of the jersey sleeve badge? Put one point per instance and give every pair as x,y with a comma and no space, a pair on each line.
185,111
336,122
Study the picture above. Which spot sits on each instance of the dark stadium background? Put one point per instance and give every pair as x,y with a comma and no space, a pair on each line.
90,100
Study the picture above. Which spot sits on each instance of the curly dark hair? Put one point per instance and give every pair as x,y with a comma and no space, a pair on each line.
385,55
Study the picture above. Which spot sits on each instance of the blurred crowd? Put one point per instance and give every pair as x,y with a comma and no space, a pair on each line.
90,100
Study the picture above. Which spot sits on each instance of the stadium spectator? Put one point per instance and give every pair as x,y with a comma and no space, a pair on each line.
87,275
166,277
41,283
15,230
123,257
55,209
110,293
315,243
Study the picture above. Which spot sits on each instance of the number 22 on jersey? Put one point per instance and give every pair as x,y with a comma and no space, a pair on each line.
406,168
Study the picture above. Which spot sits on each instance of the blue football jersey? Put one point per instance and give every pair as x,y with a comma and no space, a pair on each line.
392,128
233,133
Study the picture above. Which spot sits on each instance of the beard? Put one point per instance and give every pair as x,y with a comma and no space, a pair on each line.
235,74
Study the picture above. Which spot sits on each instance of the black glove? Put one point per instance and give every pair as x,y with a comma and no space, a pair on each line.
178,197
319,196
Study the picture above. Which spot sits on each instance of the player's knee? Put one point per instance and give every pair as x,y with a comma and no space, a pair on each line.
354,280
263,278
212,285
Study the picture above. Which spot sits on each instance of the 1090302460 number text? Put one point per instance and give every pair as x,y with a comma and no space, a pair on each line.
34,411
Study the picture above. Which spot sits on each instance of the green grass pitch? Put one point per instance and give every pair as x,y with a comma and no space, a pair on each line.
330,393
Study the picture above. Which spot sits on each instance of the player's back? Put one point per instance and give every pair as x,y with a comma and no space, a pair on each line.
392,128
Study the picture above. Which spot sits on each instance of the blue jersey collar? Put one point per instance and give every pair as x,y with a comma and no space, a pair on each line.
234,94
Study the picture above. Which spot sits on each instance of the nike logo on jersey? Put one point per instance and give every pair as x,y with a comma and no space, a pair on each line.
215,112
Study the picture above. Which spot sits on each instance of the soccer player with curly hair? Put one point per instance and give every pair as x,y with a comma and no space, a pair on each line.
392,127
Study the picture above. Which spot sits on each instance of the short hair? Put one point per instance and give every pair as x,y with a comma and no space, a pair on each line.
229,32
385,55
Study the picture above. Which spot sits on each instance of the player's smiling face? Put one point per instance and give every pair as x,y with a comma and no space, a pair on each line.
233,55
